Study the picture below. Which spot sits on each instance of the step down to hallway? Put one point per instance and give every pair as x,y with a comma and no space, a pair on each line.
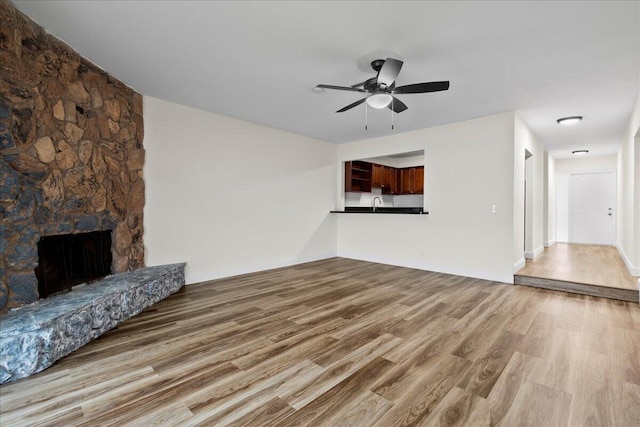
578,288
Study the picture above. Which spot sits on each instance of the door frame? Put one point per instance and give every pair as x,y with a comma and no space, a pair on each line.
614,206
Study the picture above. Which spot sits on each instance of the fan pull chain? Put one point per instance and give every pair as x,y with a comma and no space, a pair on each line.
392,99
366,115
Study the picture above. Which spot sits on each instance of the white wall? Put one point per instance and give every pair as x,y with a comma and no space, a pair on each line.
562,208
634,264
549,209
468,168
563,169
586,164
401,162
529,169
628,162
232,197
524,139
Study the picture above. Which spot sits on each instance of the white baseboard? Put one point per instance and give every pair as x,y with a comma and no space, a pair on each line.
531,255
518,265
550,243
466,272
205,276
633,270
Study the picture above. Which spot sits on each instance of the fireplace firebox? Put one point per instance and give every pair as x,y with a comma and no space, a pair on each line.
72,259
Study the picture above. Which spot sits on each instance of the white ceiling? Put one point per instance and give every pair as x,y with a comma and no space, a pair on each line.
259,61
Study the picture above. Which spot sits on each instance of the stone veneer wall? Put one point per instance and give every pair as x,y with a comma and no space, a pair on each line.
71,154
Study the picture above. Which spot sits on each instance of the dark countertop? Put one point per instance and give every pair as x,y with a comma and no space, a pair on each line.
383,210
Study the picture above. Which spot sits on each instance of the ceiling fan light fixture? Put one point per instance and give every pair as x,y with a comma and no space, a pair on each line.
572,120
379,89
379,100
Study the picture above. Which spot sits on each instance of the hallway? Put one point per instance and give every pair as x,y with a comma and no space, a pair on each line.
590,269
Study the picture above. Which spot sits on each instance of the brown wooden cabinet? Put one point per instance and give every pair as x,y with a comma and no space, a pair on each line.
378,176
390,180
406,181
412,180
357,176
418,180
362,176
384,177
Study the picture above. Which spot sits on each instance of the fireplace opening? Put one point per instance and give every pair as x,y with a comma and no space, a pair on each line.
72,259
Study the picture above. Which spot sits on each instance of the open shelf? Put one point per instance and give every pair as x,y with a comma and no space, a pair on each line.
357,175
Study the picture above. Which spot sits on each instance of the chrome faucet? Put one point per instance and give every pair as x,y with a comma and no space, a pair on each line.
373,202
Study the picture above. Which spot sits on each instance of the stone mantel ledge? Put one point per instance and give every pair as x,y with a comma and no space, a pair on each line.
33,337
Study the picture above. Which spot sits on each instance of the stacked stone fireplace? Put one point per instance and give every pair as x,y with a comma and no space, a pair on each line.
71,155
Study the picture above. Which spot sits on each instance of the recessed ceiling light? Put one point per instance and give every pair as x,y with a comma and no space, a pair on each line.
580,152
569,120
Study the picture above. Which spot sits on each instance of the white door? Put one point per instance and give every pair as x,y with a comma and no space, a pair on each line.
592,199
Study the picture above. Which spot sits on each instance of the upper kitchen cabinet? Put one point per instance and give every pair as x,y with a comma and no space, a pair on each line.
384,177
390,180
418,180
412,180
378,174
407,176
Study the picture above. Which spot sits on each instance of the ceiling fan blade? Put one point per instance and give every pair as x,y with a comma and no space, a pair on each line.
422,87
350,106
389,71
359,84
351,89
397,106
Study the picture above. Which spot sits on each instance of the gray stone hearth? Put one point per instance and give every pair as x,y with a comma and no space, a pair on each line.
33,337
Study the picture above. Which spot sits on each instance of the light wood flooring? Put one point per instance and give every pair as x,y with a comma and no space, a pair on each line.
591,269
588,264
350,343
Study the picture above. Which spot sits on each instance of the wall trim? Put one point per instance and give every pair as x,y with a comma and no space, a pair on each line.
592,244
633,270
193,279
531,255
465,272
550,243
518,265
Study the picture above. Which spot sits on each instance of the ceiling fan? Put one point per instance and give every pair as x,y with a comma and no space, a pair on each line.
381,88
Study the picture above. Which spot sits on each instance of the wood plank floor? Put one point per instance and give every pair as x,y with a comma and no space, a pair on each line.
586,264
349,343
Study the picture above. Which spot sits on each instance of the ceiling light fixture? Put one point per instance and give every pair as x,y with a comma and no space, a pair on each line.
580,152
569,120
379,100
